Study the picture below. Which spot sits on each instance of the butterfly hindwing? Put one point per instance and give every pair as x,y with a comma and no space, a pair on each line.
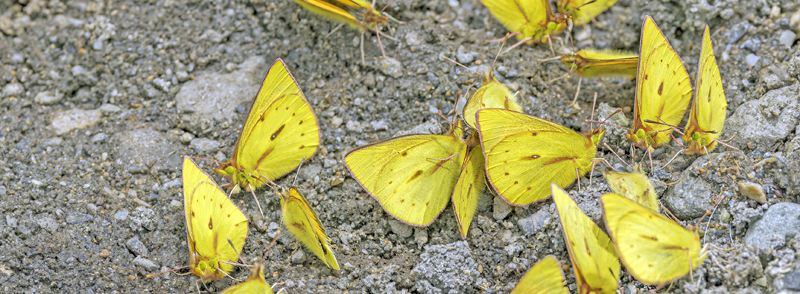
302,221
707,115
468,189
544,277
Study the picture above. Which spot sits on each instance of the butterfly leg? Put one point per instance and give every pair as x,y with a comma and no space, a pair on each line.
578,174
256,198
363,60
673,158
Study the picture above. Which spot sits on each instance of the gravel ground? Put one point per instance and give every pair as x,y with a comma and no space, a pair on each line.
99,99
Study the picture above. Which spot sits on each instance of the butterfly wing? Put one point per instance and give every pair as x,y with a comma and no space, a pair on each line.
211,220
255,284
303,223
544,277
492,94
592,253
591,63
331,11
281,130
529,17
707,115
525,153
468,189
636,186
654,249
412,176
580,12
663,89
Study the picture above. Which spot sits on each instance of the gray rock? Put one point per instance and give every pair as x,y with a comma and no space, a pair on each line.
110,108
772,82
74,218
689,198
401,229
83,76
770,232
204,145
121,215
791,280
48,98
309,171
430,127
65,121
535,222
161,84
501,208
182,76
143,218
147,264
54,141
13,89
178,182
137,247
99,137
391,67
737,32
767,121
336,122
186,138
212,95
145,149
447,268
298,257
751,59
16,58
48,223
752,45
787,38
413,38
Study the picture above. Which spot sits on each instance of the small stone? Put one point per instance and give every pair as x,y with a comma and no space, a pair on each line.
535,222
769,232
752,45
182,76
48,223
787,38
13,89
772,82
137,247
413,38
186,138
336,122
298,257
335,181
37,183
354,126
78,218
84,76
724,216
737,32
121,215
66,121
99,137
421,235
178,182
379,125
791,280
54,141
147,264
501,208
16,58
92,208
464,58
401,229
47,98
110,108
391,67
230,66
753,191
104,253
751,59
204,145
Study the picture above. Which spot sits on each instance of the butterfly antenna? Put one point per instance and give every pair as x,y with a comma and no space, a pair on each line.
515,45
613,152
253,192
455,62
166,271
500,50
363,59
298,170
675,219
578,174
237,252
594,102
676,156
334,30
384,7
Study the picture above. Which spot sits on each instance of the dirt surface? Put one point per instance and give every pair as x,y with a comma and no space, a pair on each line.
101,98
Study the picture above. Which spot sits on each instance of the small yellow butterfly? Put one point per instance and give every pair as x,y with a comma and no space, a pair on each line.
582,11
302,221
654,249
591,63
492,94
707,115
544,277
636,186
531,18
525,153
663,90
211,220
280,132
414,176
255,283
331,11
591,251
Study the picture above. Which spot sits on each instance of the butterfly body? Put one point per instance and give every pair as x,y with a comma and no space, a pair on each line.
211,219
582,12
280,131
707,115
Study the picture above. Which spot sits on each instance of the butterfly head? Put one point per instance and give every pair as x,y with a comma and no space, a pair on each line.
201,267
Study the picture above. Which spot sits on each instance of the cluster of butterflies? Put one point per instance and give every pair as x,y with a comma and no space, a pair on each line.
280,132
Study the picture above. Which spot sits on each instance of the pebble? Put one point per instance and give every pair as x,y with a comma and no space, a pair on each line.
445,268
83,76
99,137
535,222
791,281
147,149
737,32
769,232
400,228
54,141
137,247
78,218
379,125
104,253
768,120
147,264
336,122
751,59
110,108
122,215
391,67
752,45
421,235
501,208
186,138
772,82
13,89
161,84
182,76
204,145
724,215
47,223
787,38
413,38
47,98
298,257
16,58
174,183
66,121
753,191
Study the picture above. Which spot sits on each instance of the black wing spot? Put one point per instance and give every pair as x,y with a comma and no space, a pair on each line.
275,135
415,176
660,88
210,224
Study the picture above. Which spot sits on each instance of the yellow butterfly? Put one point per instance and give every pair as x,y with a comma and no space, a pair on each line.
531,18
654,249
331,11
525,153
303,222
636,186
492,94
544,277
707,115
255,283
280,132
582,12
414,176
211,220
663,90
591,63
592,254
